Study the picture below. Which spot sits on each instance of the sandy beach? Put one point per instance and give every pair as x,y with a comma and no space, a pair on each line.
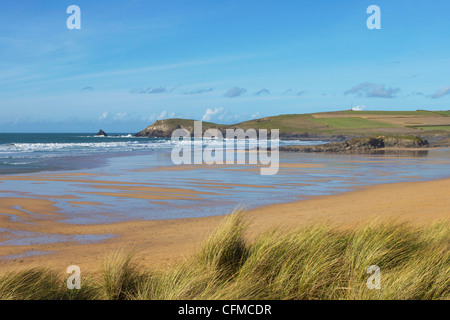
222,150
163,242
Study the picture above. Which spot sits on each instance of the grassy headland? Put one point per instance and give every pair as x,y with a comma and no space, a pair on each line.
315,262
341,125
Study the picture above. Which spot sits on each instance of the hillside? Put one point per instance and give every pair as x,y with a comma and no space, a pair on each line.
341,125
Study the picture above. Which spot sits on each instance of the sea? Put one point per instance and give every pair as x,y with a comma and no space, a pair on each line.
36,152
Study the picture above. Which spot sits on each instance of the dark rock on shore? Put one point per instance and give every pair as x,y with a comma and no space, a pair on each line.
361,145
441,143
101,133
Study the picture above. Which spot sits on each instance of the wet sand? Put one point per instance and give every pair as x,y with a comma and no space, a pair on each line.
160,243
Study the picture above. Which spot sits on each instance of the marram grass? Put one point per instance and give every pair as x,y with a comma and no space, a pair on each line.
315,262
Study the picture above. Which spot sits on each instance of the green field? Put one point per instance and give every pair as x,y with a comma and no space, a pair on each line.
434,128
294,123
444,113
351,123
397,113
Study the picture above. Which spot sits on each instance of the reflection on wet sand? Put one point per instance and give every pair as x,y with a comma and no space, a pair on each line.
401,153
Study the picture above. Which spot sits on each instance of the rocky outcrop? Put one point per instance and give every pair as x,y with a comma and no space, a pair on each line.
101,133
361,145
412,142
441,143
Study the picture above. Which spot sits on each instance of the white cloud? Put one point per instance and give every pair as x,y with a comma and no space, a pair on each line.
217,113
121,116
165,114
104,115
359,108
162,115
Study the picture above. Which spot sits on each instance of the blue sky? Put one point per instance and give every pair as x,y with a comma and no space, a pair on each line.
136,61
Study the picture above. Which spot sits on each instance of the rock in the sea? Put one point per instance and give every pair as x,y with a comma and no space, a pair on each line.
101,133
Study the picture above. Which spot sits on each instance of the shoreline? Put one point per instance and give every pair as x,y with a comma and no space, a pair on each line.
160,243
369,146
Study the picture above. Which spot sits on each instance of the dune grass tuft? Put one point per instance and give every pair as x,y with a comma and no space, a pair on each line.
314,262
120,275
